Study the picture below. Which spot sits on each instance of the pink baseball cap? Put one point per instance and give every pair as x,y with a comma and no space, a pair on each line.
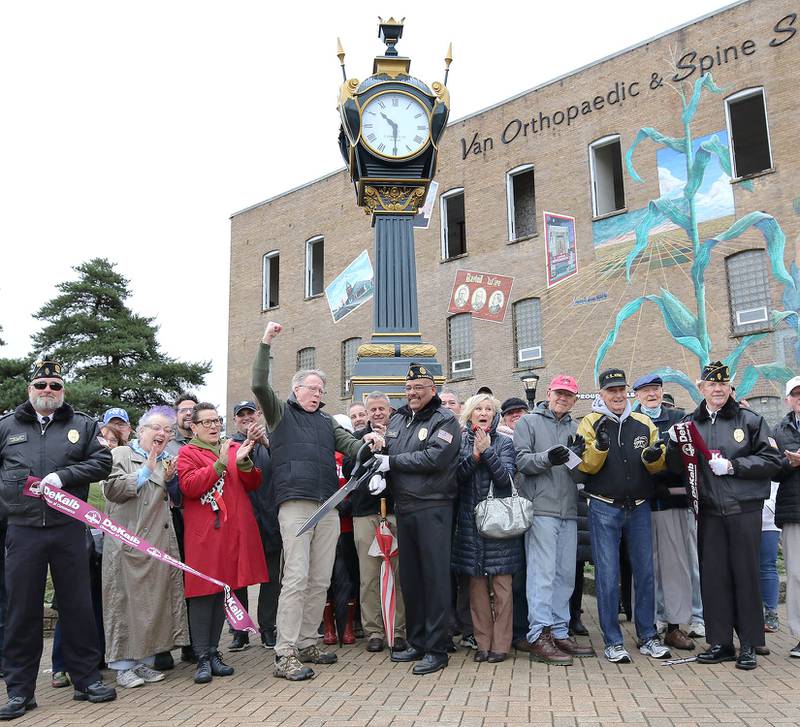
564,382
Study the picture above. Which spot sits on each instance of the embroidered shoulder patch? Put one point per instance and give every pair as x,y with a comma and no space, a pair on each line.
442,434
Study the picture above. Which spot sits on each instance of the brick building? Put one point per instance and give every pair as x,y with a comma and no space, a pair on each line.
561,149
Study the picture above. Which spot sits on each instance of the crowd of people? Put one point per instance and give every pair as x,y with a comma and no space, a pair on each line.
681,514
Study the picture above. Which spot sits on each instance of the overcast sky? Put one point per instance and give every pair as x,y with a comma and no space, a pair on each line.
134,130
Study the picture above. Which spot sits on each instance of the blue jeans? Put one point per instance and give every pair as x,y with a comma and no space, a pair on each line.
551,545
607,523
769,568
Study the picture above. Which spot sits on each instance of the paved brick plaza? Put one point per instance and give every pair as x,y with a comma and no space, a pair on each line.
366,689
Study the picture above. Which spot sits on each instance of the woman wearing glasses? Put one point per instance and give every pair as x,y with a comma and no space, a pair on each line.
144,612
221,537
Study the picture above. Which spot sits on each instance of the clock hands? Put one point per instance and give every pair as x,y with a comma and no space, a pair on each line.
393,124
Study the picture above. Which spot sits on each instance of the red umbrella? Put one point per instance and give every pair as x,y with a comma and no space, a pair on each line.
385,546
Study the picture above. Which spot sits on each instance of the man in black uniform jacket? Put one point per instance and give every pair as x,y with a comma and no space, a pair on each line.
732,488
47,439
423,441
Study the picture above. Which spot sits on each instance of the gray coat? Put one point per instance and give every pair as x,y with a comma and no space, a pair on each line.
552,489
144,611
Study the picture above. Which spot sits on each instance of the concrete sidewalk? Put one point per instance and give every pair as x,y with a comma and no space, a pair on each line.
366,689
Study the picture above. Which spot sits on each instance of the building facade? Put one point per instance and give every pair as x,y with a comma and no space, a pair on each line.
646,208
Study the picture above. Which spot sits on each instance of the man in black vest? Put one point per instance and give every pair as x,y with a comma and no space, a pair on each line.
303,444
46,439
423,440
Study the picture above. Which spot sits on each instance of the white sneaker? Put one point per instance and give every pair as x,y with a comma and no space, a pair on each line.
129,679
655,649
617,654
147,674
697,630
795,652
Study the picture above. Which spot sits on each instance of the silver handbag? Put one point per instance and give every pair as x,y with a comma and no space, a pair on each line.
503,517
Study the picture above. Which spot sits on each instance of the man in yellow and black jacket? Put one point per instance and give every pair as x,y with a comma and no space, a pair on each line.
622,451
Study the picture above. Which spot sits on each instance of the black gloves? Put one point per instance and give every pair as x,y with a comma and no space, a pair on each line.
558,454
601,439
577,444
652,453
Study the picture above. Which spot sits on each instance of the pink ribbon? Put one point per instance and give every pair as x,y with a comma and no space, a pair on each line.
76,508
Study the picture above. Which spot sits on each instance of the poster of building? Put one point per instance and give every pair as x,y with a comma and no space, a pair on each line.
353,287
561,250
485,295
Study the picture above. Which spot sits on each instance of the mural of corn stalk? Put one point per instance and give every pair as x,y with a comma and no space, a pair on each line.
689,328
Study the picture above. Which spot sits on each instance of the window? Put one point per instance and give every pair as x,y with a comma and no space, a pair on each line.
770,407
459,345
748,292
306,358
748,131
527,316
269,280
315,266
605,166
521,195
454,233
349,358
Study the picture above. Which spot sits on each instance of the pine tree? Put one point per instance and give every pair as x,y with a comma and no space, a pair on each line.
110,354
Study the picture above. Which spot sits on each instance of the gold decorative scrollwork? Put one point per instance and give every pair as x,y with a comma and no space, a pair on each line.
369,350
348,90
418,350
441,93
393,198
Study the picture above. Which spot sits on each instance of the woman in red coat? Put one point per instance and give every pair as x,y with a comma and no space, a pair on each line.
221,537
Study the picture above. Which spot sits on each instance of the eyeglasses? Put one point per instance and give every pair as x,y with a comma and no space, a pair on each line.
159,428
185,409
208,423
313,389
418,388
42,385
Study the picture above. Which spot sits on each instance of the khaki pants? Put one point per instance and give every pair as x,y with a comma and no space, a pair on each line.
492,631
307,567
790,540
369,568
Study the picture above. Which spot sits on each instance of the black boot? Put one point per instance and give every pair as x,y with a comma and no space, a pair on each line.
218,667
16,707
203,674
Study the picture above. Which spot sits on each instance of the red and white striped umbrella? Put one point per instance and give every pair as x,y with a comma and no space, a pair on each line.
385,547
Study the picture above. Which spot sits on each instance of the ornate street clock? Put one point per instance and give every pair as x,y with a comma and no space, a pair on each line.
391,127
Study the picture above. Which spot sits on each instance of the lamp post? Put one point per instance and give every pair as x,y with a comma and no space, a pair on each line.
530,382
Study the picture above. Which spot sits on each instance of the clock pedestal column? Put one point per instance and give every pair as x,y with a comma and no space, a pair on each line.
396,341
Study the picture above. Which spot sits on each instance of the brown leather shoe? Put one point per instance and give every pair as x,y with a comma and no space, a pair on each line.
545,651
573,648
496,656
677,639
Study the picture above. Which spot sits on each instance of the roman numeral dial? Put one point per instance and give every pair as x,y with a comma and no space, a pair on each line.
395,125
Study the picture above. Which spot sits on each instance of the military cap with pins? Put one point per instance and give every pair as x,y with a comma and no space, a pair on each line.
417,371
44,368
716,371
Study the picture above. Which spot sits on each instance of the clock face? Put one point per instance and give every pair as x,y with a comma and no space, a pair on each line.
395,125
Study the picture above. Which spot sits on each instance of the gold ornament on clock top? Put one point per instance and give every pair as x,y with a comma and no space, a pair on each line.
411,350
393,199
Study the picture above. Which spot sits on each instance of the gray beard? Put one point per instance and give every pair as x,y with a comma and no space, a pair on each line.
42,403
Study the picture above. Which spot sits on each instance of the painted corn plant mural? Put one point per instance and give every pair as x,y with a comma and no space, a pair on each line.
688,323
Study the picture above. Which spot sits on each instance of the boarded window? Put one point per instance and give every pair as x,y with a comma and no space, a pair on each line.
748,292
459,345
521,203
349,358
528,339
307,358
605,163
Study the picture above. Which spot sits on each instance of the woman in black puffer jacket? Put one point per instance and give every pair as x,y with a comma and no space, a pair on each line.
486,457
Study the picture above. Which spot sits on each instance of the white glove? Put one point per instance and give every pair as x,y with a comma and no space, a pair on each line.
719,466
384,462
53,480
376,485
672,435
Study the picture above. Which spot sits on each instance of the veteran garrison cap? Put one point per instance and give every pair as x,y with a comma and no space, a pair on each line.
417,371
716,371
45,369
612,377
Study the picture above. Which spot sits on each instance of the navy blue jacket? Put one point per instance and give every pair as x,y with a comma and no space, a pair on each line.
473,554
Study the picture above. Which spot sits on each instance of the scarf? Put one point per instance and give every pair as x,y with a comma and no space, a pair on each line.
652,413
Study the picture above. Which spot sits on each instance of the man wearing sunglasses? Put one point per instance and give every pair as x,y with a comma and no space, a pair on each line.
46,439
